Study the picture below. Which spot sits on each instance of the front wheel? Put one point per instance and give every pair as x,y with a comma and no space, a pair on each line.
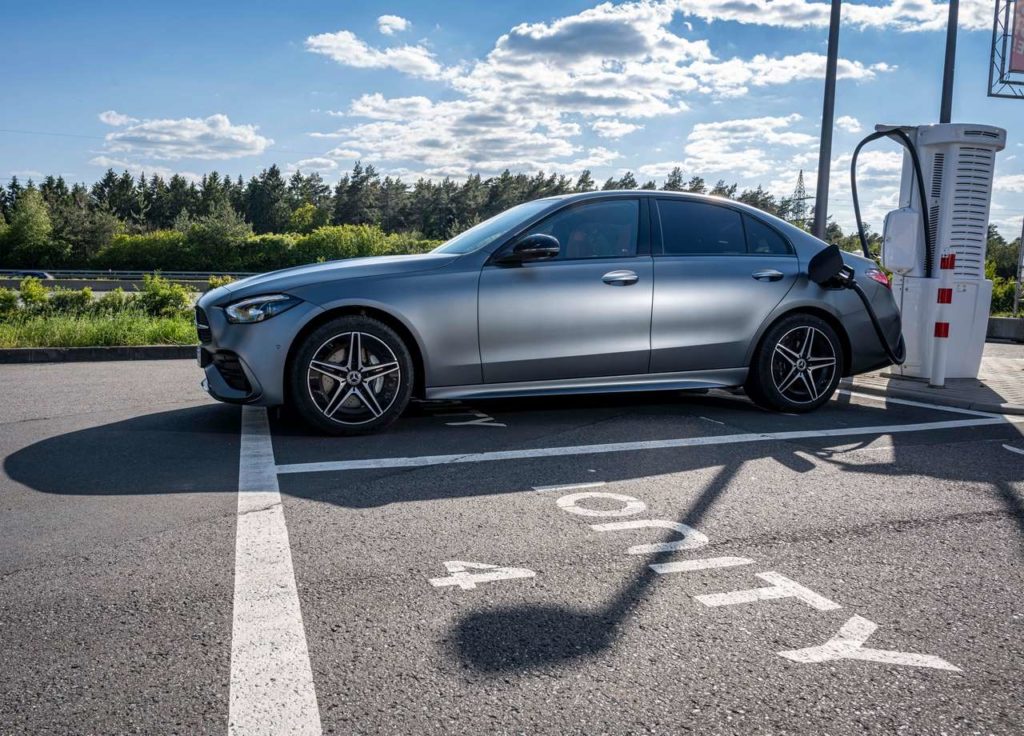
353,375
798,365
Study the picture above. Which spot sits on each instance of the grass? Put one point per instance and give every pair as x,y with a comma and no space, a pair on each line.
127,328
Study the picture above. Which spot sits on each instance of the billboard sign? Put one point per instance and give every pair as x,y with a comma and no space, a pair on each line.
1017,39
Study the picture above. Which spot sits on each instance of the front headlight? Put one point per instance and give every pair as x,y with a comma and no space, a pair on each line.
259,308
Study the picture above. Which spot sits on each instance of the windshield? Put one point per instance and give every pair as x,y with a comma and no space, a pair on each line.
490,230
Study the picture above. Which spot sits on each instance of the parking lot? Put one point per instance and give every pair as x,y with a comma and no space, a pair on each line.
648,563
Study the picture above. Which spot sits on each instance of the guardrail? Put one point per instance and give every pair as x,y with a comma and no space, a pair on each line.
122,275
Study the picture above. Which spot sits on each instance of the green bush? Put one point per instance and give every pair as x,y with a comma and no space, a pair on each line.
70,301
8,303
33,294
225,243
268,252
162,298
114,302
1002,295
408,244
158,250
339,241
216,281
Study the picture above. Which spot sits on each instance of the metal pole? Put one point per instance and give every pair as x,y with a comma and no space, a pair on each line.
1020,269
946,110
827,114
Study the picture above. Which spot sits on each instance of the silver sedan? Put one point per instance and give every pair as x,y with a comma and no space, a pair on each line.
595,292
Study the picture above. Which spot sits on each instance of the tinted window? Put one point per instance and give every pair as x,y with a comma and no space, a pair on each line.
697,228
762,240
596,230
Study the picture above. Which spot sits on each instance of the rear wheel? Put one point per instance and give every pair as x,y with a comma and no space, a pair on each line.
353,375
798,365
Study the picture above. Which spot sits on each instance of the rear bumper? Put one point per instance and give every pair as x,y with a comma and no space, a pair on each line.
245,364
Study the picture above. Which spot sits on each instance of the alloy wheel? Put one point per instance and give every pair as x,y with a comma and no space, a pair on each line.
354,378
804,364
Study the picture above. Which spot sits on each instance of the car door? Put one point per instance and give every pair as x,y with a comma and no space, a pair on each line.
584,313
718,274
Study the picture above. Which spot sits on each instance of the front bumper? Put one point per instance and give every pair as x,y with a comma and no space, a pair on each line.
245,364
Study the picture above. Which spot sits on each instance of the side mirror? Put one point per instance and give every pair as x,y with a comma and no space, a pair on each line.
537,247
825,265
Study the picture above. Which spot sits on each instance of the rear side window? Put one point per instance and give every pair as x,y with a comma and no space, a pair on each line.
697,228
762,240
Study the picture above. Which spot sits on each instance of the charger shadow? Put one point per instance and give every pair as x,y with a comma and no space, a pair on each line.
531,636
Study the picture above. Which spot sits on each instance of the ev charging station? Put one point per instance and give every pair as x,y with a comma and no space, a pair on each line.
935,242
957,163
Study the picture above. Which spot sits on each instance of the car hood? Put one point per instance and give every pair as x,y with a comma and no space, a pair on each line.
352,268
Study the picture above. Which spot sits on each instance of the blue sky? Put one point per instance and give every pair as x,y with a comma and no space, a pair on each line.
728,91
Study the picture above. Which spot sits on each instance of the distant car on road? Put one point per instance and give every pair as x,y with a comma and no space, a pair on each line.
42,275
595,292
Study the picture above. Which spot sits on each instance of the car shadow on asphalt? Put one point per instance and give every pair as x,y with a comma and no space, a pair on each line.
182,451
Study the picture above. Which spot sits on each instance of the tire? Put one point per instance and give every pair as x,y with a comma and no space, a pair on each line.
343,397
790,375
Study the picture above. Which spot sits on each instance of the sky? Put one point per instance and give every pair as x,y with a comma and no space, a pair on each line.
724,90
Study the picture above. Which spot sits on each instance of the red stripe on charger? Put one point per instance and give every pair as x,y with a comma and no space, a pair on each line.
945,296
942,329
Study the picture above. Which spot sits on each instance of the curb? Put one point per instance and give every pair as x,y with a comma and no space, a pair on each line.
933,396
76,355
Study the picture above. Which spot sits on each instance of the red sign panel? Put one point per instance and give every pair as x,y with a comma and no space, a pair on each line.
1017,40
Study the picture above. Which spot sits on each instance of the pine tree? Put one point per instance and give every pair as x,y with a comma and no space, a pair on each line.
674,180
696,185
628,181
585,183
28,241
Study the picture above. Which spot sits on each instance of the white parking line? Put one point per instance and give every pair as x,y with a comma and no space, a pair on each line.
918,404
569,486
542,452
1011,448
271,681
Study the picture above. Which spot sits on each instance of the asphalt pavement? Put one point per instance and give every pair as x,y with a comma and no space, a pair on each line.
650,563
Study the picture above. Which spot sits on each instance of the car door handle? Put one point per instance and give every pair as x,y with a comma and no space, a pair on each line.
767,274
620,278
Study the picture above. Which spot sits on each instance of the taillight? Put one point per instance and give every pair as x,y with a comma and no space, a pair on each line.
877,274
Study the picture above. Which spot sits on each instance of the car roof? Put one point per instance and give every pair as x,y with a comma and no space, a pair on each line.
661,194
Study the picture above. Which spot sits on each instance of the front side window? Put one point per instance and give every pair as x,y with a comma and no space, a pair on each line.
605,229
691,228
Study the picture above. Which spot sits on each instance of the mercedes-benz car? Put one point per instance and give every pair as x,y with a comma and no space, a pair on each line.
593,292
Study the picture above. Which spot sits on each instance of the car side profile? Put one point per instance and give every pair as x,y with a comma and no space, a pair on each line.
593,292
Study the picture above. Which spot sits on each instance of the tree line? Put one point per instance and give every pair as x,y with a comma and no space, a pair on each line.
53,225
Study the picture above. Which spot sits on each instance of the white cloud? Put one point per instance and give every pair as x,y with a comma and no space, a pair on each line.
318,163
392,24
1009,183
346,48
901,15
741,145
344,153
214,137
610,67
614,128
849,123
112,117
